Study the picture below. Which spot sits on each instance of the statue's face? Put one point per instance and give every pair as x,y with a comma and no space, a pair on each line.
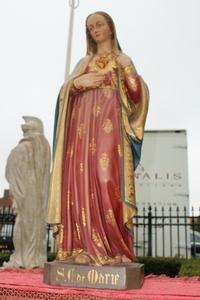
29,127
99,28
32,124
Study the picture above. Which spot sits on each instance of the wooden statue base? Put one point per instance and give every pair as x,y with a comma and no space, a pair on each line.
121,276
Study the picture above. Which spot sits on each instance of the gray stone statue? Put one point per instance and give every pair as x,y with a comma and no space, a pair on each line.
27,172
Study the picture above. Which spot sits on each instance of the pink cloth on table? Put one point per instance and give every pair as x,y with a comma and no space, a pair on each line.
154,288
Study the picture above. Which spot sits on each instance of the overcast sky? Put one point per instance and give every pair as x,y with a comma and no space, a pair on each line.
161,36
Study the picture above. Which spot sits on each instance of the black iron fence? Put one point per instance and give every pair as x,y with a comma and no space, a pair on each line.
7,221
158,231
167,231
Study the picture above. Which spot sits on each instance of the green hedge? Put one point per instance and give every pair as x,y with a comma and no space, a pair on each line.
4,257
51,256
170,266
190,267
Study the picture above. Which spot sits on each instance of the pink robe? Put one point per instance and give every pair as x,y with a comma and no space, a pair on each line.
91,218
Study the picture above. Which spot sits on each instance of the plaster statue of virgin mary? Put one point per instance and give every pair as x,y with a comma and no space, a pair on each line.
99,126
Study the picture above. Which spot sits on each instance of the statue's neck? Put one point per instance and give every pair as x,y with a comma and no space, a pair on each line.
104,47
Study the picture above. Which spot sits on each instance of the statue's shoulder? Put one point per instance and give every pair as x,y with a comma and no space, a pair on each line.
84,59
124,60
19,152
122,54
124,57
21,146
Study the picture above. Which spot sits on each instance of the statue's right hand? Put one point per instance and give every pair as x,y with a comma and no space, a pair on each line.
90,80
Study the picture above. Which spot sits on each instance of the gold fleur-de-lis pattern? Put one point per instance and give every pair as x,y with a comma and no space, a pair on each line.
110,219
107,93
78,231
81,130
132,83
81,167
107,125
83,214
96,110
92,146
96,237
104,161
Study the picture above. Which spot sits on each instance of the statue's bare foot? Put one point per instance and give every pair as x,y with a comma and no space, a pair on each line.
82,259
125,259
118,260
114,261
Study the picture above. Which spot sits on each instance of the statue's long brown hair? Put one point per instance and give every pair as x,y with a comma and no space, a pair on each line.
91,44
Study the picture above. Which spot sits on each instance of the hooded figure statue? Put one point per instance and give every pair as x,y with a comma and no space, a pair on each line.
27,172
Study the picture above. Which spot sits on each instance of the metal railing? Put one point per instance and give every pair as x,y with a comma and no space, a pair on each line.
161,231
7,221
158,231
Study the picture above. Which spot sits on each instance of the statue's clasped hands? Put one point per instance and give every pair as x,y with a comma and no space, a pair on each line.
90,80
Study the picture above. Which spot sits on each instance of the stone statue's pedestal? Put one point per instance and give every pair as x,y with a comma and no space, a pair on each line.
122,276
